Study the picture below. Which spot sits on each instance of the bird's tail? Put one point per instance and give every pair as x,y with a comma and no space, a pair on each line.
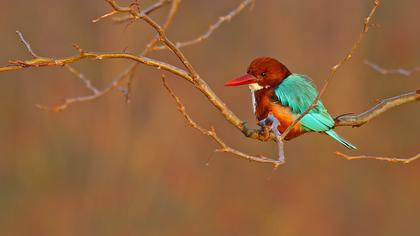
337,137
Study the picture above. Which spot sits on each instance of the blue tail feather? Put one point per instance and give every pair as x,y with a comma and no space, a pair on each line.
337,137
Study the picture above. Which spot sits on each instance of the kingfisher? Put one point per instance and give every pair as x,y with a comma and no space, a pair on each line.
278,92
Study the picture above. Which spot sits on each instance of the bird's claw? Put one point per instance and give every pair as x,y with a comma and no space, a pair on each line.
264,133
271,122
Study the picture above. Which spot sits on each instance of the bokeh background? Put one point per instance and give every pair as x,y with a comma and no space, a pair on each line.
109,168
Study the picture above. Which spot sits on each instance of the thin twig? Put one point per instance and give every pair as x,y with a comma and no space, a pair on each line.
334,69
130,10
88,84
222,19
399,71
387,159
212,134
27,45
148,10
45,62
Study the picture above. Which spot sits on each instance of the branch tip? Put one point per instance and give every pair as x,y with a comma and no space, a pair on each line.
386,159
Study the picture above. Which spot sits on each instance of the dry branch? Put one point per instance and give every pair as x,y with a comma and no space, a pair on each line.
387,159
381,107
146,11
48,62
399,71
222,19
27,45
212,133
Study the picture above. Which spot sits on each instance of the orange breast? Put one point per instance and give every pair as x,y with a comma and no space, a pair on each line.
265,105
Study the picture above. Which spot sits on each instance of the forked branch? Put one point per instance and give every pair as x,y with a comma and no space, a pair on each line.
148,10
212,133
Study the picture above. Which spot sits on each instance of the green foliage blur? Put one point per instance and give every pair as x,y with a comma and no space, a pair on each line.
109,168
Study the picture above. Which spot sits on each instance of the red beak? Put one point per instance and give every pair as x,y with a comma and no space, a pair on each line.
245,79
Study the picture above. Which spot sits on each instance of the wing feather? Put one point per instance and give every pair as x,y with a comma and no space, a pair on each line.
298,92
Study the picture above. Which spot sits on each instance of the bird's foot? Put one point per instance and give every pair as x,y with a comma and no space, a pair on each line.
264,133
271,122
266,128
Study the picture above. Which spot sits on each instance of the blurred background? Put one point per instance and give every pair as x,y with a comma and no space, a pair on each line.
109,168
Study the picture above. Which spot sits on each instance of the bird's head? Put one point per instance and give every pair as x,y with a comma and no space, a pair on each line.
263,72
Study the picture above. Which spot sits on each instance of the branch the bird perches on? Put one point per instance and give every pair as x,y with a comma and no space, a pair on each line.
161,41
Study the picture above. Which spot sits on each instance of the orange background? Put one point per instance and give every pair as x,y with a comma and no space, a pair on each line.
109,168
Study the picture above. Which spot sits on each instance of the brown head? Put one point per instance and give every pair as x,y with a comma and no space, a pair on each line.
263,71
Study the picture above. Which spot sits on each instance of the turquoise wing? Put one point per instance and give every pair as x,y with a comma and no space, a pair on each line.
298,92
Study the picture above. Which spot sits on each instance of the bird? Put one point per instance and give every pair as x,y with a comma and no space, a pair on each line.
285,95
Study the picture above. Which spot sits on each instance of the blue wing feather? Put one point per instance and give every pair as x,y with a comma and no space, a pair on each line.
298,92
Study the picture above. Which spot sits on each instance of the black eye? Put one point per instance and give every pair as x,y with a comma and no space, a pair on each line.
263,74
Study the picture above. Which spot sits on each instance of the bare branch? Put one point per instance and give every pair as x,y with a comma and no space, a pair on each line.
212,134
334,69
82,77
68,101
106,16
45,62
27,45
387,159
130,10
400,71
95,92
381,107
148,10
222,19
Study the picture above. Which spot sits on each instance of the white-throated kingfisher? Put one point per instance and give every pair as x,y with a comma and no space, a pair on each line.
278,92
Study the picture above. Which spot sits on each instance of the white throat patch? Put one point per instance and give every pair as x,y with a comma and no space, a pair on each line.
254,87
